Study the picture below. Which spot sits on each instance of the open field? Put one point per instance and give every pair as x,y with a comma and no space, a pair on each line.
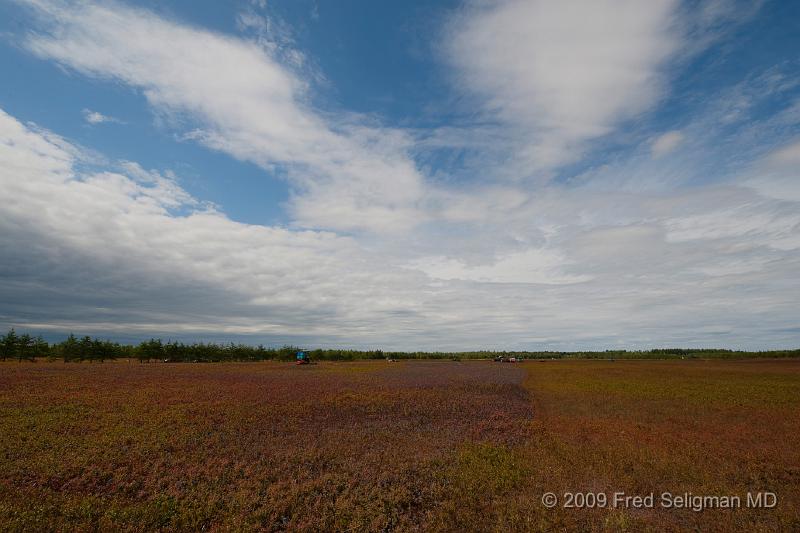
413,445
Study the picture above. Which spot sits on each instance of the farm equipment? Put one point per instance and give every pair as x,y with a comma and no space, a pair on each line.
503,359
302,358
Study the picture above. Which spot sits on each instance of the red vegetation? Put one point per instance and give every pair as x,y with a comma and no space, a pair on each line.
408,446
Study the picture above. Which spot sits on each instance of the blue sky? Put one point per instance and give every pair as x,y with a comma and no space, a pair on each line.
417,175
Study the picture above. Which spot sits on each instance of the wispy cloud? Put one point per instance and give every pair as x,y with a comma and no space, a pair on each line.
95,117
551,79
560,74
345,174
666,143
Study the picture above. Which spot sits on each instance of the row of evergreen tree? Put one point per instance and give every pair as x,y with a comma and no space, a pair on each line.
24,347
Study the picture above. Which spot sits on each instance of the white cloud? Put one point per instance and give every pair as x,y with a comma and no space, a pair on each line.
666,143
787,155
539,266
116,232
128,251
627,255
741,221
777,175
246,103
562,73
95,117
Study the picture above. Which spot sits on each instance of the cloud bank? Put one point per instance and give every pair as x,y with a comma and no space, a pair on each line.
630,253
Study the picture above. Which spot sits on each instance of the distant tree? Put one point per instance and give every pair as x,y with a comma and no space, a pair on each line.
152,349
25,347
111,350
70,349
85,348
8,344
96,350
173,351
103,350
40,347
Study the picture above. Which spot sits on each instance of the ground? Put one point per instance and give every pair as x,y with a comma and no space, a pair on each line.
411,445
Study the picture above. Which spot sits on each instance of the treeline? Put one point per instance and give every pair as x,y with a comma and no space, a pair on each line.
24,347
663,353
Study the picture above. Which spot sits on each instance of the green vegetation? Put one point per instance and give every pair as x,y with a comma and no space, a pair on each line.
25,347
22,347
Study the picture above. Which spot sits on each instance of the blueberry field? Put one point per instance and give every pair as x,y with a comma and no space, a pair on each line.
402,446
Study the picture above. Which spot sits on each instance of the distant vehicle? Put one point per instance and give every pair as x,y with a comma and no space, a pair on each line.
302,358
502,359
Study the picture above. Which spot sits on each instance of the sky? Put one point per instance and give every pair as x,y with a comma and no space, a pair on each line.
452,175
